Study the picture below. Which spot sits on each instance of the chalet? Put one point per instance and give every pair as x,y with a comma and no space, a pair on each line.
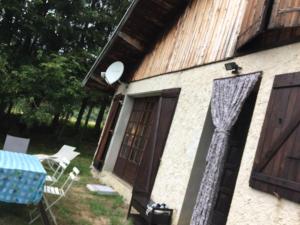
216,147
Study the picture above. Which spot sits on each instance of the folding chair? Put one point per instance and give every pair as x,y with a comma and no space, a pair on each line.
16,144
58,192
54,178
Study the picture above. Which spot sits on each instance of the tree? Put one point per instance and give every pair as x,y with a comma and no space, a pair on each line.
47,46
9,87
100,115
48,89
84,104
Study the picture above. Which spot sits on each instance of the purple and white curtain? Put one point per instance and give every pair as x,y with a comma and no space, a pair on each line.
228,98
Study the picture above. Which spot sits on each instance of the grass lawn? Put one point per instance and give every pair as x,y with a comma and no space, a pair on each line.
79,207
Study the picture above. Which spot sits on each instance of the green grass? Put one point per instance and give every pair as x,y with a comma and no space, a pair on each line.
79,207
98,209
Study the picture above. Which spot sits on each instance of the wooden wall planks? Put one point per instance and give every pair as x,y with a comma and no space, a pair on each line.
285,14
253,22
269,24
205,33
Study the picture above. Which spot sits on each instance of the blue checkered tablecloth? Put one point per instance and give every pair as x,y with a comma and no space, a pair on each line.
22,178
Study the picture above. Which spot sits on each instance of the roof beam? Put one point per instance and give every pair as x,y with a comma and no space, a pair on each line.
132,41
164,4
94,86
99,81
93,83
154,20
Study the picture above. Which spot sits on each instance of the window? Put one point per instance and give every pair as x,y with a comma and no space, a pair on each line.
138,130
276,169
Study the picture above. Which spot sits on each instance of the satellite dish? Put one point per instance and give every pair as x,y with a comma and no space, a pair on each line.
113,72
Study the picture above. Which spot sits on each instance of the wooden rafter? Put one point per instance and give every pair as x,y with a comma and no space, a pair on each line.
132,41
144,23
91,84
154,20
164,4
98,81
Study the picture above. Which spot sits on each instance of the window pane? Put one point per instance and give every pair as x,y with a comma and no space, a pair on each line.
138,130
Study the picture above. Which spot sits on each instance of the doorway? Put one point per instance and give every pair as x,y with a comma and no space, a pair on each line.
237,141
144,139
136,138
163,113
236,145
108,132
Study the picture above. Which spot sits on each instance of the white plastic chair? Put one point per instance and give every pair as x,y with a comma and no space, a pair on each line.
54,178
58,192
16,144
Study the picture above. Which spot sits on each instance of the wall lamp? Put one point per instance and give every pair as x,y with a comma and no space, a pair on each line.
234,67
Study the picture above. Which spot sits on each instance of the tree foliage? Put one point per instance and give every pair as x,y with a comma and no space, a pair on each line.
46,48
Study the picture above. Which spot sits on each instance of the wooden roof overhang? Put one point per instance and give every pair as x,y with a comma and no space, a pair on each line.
144,22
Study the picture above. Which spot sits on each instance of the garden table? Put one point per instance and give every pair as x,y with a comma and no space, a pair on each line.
22,179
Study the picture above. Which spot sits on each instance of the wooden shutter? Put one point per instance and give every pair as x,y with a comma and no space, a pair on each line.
285,13
254,20
276,168
107,131
149,166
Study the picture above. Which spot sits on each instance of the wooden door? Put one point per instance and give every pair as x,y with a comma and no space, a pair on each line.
276,168
148,168
108,131
137,136
154,151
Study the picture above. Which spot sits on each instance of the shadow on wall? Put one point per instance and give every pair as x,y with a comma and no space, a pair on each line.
197,171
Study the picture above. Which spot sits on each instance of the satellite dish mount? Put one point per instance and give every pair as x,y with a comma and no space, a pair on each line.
113,73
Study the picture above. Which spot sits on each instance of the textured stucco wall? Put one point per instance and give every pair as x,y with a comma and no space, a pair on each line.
251,207
248,206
